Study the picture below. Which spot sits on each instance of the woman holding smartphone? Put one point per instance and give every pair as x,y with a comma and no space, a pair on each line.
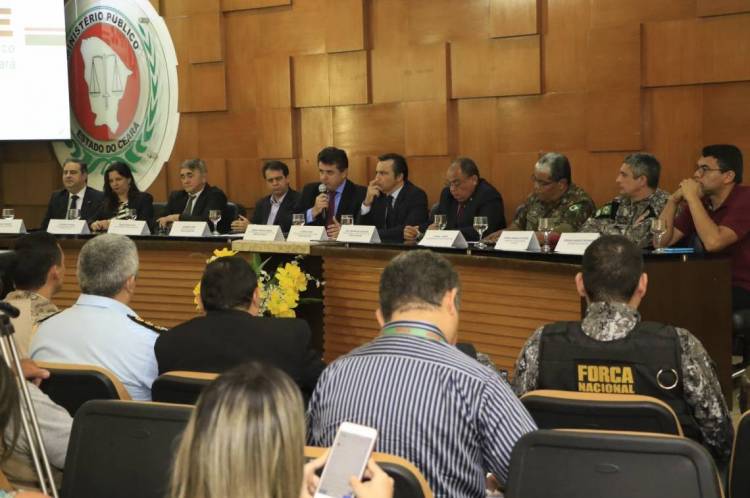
246,437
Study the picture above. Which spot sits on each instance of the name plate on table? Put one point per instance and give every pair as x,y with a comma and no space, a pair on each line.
444,238
303,233
189,229
129,227
68,227
263,233
574,243
362,234
12,226
519,241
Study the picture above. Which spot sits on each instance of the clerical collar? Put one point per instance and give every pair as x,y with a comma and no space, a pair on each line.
414,328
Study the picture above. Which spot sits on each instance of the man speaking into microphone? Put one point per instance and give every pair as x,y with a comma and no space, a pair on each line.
324,202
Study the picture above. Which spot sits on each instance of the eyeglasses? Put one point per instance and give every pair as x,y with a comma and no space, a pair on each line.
541,183
702,169
455,183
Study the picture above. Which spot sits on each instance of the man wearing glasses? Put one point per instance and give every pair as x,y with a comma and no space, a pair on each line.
717,214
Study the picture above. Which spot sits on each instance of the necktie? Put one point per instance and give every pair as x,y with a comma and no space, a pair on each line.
331,211
189,207
459,212
389,211
73,203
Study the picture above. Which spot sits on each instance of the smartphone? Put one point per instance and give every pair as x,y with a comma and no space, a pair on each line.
348,457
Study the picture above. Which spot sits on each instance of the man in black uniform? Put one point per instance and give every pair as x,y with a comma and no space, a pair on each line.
613,351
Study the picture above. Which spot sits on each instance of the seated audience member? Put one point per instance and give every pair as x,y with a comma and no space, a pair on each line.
196,198
465,196
555,196
640,202
121,197
392,201
230,333
100,328
38,275
716,215
453,418
340,195
275,208
613,337
75,195
246,438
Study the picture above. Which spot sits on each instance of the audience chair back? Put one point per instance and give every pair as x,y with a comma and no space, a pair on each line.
553,409
180,386
70,385
408,481
739,467
590,464
122,449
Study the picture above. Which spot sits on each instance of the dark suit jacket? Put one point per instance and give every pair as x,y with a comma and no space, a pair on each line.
486,201
349,203
58,205
410,209
283,217
210,198
224,339
142,202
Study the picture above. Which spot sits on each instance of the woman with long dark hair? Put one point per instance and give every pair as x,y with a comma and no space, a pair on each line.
122,198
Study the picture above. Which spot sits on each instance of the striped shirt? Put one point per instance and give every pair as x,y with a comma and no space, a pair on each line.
454,418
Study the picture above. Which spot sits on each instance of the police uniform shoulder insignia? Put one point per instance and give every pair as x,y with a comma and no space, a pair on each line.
48,317
149,325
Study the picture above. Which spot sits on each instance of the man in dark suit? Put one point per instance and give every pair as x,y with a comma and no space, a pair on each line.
229,334
392,201
76,195
341,196
275,208
196,198
465,196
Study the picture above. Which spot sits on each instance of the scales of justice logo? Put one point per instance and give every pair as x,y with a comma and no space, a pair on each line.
123,88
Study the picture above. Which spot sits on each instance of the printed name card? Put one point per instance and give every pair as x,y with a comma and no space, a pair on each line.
302,233
128,227
189,229
444,238
361,234
575,243
263,233
68,227
519,241
12,226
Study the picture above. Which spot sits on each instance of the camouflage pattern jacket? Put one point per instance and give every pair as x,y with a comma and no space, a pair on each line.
568,213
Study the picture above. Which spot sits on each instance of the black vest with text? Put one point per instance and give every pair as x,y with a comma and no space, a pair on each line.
569,360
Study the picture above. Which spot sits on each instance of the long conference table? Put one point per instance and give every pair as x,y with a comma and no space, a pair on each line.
505,296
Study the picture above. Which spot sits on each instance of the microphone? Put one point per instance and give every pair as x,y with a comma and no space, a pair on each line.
9,309
323,189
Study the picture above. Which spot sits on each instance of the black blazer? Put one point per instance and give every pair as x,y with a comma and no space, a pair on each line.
210,198
57,208
224,339
410,209
283,217
142,202
349,203
486,201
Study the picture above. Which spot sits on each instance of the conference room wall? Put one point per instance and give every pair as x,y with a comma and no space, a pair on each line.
501,81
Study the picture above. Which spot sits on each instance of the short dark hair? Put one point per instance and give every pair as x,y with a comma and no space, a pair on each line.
729,158
399,164
415,279
612,267
275,166
228,283
83,165
558,165
36,253
644,164
333,155
467,166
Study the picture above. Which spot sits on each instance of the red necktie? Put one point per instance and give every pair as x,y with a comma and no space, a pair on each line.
459,212
331,211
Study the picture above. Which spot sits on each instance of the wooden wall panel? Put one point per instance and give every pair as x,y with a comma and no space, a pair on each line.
209,47
613,120
176,8
205,88
230,5
610,13
347,77
477,131
244,182
28,183
369,129
721,7
565,25
275,133
316,130
345,25
242,33
614,58
310,80
426,128
429,173
387,75
227,135
498,67
159,187
723,118
514,17
388,24
426,72
510,173
433,21
299,29
273,81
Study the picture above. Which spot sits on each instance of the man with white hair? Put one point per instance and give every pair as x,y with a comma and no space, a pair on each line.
100,328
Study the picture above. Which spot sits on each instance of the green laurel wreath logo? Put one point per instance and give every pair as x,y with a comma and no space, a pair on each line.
135,150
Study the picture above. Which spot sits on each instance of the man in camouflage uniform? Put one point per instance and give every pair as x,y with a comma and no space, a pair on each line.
627,355
640,202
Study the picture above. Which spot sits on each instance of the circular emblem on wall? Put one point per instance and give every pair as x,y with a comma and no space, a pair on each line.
122,68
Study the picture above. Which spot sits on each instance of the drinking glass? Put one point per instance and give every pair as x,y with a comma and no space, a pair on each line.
545,226
480,225
440,221
658,229
298,219
8,213
347,219
132,214
73,214
214,216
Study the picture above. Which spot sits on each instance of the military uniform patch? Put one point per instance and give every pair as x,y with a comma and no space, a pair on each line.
149,325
